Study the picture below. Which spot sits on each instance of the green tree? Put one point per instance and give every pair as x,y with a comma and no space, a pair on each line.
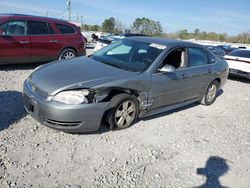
85,27
183,34
196,32
147,26
158,28
108,25
95,28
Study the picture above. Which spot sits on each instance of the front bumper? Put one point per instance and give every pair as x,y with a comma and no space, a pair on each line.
67,118
239,73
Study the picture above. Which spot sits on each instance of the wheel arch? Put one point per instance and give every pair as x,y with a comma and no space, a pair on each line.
114,92
218,80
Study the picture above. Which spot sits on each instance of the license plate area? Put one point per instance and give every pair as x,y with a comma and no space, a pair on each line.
28,103
31,107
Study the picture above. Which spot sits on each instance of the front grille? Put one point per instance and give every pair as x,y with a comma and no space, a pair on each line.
62,123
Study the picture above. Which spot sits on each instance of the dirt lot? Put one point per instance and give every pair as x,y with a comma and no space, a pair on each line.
190,147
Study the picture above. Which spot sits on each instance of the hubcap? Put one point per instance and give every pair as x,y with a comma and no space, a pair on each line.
68,55
211,93
125,114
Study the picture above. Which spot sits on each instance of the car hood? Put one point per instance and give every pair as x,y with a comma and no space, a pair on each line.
80,72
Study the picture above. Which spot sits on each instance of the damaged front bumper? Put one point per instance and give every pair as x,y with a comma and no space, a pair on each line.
63,117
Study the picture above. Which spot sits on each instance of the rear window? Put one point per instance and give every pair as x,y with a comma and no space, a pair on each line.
240,53
39,28
65,29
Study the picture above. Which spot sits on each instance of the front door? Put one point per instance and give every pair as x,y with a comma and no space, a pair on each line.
15,46
170,88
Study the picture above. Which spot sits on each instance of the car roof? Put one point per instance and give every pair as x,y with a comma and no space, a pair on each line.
162,41
7,15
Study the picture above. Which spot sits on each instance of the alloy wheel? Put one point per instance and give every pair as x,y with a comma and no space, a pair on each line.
125,114
68,55
211,94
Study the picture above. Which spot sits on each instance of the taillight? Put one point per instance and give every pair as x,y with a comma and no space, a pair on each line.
84,40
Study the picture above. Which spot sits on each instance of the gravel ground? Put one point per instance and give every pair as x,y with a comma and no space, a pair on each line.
191,147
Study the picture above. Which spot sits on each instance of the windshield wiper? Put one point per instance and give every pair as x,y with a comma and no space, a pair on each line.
115,65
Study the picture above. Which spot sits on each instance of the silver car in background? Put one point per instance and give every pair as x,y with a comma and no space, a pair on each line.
131,78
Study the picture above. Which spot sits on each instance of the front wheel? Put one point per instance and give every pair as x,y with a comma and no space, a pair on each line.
124,111
211,93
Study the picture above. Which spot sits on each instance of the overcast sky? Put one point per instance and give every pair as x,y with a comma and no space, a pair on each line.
228,16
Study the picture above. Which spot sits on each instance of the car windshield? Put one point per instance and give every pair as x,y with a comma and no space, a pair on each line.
130,55
240,53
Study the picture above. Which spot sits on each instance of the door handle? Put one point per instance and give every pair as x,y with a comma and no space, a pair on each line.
24,42
184,76
53,41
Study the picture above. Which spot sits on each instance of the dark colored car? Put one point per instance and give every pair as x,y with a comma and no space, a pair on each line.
106,40
133,77
25,39
228,48
217,50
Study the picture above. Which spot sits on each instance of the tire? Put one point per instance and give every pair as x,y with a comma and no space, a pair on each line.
120,118
67,54
210,94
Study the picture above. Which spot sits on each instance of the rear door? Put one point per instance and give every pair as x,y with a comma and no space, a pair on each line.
15,46
44,47
200,71
68,37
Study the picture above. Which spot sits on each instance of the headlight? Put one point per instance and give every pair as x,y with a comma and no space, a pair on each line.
72,97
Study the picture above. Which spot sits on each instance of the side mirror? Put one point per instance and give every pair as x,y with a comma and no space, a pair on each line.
167,68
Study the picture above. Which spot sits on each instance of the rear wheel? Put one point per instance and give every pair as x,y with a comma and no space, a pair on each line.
67,54
211,93
124,111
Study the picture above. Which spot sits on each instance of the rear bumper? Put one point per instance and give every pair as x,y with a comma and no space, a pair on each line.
239,73
67,118
82,52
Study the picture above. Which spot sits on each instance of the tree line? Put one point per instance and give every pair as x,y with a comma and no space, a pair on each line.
243,37
154,28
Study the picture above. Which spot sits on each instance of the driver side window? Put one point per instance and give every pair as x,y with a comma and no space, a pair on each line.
13,28
176,58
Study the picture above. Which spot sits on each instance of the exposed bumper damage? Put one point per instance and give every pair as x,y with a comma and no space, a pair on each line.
67,118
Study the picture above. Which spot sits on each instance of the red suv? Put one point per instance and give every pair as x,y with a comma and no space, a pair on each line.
25,39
